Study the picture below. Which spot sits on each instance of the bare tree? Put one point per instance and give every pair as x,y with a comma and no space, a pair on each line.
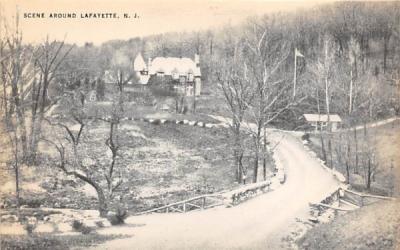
267,52
48,59
233,79
323,68
370,161
121,74
77,154
15,74
354,51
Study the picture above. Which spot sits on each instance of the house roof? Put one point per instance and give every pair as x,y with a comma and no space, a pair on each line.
139,63
322,118
171,65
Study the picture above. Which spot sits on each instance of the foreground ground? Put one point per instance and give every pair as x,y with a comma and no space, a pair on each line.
260,223
373,227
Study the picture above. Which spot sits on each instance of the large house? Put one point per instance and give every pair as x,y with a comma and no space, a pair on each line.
183,73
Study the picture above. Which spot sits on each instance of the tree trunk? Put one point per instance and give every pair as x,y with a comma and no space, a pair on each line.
16,169
323,148
103,204
255,174
20,124
241,170
237,155
330,153
385,51
257,150
356,151
348,163
351,92
369,172
265,154
194,96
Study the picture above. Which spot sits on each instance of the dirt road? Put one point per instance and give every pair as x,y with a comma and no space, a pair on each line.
259,223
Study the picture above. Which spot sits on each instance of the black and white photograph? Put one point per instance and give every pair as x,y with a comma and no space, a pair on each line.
199,125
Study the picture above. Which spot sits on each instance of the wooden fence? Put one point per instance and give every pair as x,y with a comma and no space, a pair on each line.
347,197
360,199
195,203
201,202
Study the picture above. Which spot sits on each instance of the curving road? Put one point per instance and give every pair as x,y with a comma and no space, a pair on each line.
259,223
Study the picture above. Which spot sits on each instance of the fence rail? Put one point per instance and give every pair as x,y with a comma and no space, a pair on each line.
195,203
329,206
347,197
361,199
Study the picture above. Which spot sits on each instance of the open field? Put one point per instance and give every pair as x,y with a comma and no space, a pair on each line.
52,242
162,164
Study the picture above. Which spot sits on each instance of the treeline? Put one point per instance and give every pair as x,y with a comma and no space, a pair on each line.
362,39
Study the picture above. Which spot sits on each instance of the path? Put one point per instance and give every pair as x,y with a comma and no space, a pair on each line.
259,223
373,124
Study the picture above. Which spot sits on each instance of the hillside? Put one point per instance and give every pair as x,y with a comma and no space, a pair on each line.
373,227
381,144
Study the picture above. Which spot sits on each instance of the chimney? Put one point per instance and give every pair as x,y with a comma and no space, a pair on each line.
197,60
149,63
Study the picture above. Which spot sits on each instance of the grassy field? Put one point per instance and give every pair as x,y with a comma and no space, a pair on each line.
384,145
373,227
161,163
52,242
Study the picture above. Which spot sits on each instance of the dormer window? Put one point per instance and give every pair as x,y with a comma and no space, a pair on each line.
175,74
190,77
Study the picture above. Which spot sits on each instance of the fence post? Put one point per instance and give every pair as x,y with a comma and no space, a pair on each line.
184,207
203,202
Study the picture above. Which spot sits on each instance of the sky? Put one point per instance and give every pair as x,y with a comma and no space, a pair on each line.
154,16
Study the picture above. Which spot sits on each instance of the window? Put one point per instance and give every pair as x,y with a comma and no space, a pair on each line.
190,77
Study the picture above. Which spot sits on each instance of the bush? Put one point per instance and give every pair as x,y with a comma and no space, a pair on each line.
29,224
29,227
77,225
80,227
99,224
118,217
31,202
306,137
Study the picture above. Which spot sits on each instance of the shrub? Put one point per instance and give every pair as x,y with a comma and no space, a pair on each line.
99,224
31,202
306,137
30,227
29,224
86,230
78,226
118,217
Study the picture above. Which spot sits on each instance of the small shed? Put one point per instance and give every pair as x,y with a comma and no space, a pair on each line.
321,121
